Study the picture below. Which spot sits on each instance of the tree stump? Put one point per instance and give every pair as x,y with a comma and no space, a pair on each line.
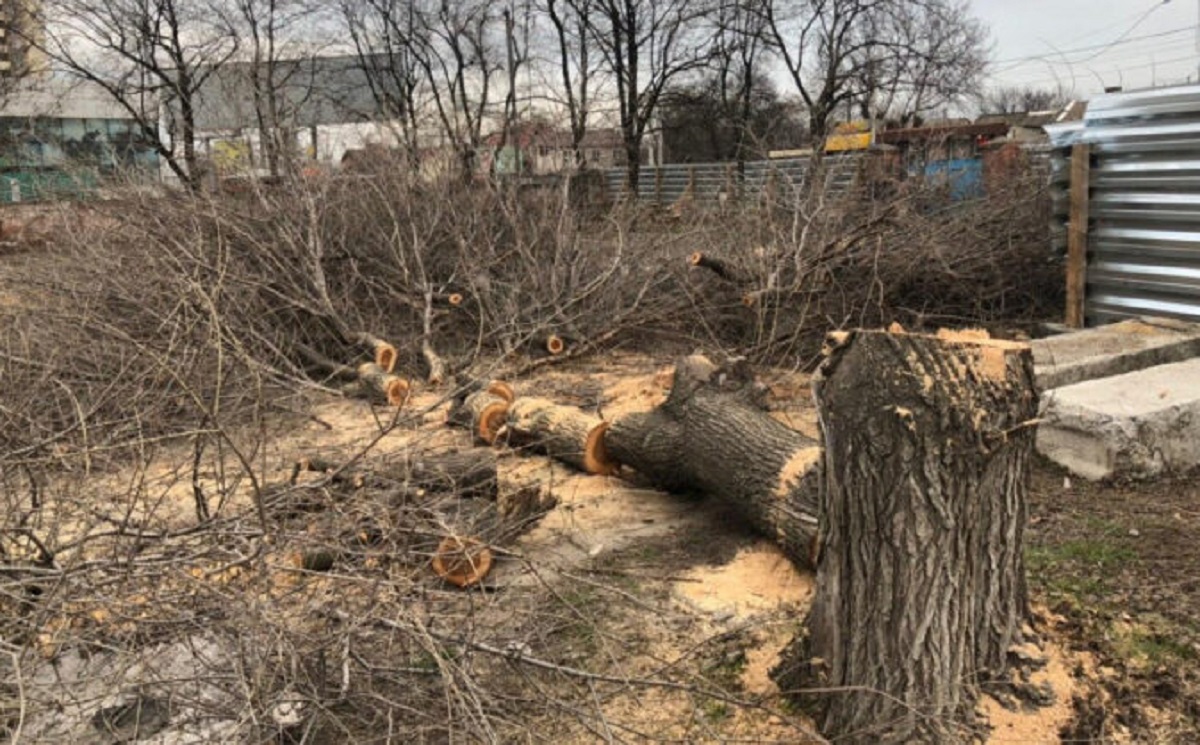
712,436
920,582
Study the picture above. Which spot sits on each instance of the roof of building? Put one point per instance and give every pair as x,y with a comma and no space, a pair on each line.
911,134
543,134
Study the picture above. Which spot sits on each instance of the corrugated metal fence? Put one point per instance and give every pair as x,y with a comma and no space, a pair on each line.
668,184
1143,233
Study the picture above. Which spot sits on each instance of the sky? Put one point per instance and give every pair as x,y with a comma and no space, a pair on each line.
1087,45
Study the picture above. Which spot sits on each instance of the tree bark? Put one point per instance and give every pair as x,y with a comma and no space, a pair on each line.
561,432
920,583
711,436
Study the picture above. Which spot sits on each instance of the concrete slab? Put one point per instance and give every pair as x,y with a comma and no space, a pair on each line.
1118,348
1139,424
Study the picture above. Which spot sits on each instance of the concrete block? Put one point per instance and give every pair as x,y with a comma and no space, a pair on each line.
1118,348
1139,424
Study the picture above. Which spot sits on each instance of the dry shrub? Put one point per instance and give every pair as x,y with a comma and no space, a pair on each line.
190,322
870,256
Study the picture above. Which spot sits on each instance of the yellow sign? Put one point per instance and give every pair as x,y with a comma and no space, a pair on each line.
843,142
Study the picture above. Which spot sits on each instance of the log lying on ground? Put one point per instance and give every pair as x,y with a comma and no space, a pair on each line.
719,267
482,410
383,353
368,379
467,473
920,582
561,432
381,385
710,436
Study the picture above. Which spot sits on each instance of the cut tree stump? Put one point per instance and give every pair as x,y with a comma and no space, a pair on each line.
482,410
712,436
561,432
920,584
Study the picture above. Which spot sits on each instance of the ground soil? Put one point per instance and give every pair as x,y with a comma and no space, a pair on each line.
1117,565
624,580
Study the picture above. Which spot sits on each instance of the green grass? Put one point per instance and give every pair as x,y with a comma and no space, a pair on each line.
1076,569
1151,642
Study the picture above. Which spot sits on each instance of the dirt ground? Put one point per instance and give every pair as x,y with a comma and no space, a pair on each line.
626,582
1118,566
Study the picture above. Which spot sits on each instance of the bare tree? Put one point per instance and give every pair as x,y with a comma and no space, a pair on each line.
279,87
517,26
576,65
459,64
880,54
1018,99
739,49
388,37
647,44
152,58
929,55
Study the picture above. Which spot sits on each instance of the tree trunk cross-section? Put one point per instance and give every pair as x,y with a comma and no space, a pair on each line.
709,436
920,583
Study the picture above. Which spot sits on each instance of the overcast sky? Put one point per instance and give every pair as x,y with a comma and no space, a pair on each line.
1085,45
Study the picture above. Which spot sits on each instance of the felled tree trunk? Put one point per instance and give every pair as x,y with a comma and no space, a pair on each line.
561,432
712,436
920,584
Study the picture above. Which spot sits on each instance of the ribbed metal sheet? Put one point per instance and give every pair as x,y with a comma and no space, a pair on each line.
668,183
1144,203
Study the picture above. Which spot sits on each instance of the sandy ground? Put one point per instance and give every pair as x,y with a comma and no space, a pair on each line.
678,597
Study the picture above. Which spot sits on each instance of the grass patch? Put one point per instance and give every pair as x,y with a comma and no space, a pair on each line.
1078,568
1151,643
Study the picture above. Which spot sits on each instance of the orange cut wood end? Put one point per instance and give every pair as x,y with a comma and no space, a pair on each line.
750,299
500,389
491,419
555,344
454,298
462,561
385,356
696,258
595,453
397,391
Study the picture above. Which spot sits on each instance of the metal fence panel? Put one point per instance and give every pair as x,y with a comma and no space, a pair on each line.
1144,203
667,184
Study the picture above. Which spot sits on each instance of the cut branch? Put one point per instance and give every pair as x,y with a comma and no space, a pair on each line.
383,353
382,386
719,267
561,432
481,411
